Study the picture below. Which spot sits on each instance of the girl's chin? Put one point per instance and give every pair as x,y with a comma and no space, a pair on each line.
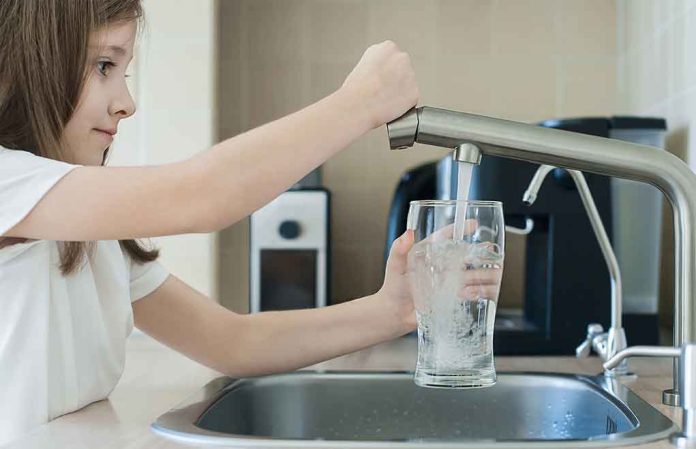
96,158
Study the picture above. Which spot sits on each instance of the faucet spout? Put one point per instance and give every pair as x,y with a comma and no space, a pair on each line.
466,152
530,195
496,137
605,344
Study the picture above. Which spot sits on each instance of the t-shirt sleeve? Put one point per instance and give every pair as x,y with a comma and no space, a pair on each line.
24,180
145,278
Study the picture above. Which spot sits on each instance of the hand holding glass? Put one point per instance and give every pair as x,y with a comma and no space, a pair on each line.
455,269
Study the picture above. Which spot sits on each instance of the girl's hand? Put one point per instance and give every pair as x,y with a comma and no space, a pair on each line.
384,82
396,288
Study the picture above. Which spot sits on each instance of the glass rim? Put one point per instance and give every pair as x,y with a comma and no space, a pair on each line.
452,202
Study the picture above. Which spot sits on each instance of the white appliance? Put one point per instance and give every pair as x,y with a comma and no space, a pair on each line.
289,252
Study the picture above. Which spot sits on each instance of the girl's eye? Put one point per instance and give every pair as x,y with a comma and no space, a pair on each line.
104,66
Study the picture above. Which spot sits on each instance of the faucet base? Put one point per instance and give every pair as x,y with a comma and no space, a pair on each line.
626,375
682,441
671,397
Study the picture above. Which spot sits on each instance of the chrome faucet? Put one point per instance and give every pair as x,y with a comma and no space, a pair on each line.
605,344
471,136
685,358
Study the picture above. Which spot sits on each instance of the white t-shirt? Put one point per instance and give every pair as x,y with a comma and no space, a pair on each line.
62,339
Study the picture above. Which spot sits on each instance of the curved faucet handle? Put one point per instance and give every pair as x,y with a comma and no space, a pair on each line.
687,385
584,349
644,351
593,330
528,228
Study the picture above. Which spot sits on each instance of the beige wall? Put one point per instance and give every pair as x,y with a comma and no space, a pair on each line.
176,115
656,69
524,60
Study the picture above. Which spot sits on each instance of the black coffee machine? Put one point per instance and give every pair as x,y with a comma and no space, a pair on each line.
566,280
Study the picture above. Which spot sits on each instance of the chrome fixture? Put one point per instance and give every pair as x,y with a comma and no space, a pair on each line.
368,410
496,137
605,344
686,359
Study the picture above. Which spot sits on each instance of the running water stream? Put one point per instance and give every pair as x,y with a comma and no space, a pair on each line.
463,184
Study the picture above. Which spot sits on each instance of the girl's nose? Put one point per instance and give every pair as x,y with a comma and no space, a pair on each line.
123,104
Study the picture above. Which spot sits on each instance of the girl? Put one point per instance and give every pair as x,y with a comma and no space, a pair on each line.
73,280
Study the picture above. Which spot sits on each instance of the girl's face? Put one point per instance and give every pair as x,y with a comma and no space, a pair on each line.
105,99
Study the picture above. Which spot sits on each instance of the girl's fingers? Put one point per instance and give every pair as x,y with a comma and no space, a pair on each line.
489,291
481,283
481,276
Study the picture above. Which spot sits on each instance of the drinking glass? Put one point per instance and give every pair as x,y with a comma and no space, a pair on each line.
455,268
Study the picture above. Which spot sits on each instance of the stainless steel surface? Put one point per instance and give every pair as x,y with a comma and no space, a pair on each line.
609,343
362,409
565,149
687,370
607,252
615,342
530,195
682,442
528,228
671,397
402,132
593,330
468,153
641,351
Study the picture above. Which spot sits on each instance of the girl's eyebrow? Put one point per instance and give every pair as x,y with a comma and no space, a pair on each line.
120,51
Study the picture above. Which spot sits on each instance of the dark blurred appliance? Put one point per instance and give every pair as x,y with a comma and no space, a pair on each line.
289,250
564,282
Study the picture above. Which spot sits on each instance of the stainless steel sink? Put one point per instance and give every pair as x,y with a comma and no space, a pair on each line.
367,409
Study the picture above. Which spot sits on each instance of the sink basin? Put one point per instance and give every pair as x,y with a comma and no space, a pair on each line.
368,409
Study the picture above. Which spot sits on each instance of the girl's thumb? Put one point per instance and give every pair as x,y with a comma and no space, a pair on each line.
399,250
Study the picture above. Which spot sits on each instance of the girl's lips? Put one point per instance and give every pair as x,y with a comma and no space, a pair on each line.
107,133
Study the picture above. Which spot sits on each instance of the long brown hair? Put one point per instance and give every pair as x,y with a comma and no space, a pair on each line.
43,68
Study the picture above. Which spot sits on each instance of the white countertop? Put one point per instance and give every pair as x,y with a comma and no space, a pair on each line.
157,378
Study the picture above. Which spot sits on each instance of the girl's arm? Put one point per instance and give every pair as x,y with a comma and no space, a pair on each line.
237,176
272,342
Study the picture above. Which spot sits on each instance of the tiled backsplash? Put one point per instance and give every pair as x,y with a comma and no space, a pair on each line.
656,76
520,59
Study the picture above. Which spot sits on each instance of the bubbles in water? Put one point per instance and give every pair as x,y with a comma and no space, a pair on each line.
455,323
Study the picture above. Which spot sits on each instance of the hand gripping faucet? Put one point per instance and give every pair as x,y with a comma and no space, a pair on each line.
471,136
605,344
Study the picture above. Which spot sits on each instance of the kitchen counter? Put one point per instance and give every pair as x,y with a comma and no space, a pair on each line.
157,378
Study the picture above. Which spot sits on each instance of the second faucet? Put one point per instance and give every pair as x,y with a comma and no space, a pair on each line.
605,344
